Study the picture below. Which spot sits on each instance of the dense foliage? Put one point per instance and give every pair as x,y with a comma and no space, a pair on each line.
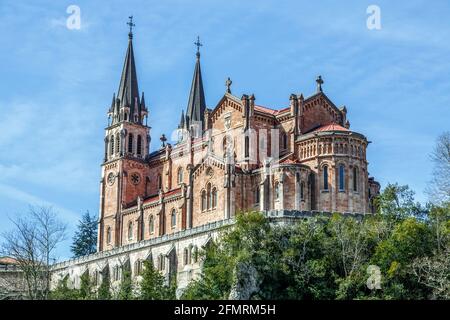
85,238
401,253
151,285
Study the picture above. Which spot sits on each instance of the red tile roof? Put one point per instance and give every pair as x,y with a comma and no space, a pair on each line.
167,194
331,127
8,260
288,161
266,110
172,192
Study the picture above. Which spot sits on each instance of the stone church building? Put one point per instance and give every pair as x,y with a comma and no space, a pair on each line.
165,204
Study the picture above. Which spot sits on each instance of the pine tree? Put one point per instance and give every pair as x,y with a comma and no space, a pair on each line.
85,238
104,291
63,292
126,285
86,287
152,284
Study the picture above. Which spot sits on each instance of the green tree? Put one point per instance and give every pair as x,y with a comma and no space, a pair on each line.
104,290
152,285
85,238
439,187
244,243
439,221
410,239
329,257
86,287
126,285
397,202
63,292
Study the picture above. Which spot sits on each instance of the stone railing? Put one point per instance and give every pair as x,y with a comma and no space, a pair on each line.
144,243
306,214
9,268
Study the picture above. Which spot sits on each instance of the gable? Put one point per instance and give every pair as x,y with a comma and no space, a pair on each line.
318,110
228,105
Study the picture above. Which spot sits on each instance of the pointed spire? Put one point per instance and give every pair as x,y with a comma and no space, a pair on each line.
128,87
181,125
143,106
113,103
196,104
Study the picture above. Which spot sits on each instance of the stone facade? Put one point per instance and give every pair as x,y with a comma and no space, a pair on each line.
235,156
12,281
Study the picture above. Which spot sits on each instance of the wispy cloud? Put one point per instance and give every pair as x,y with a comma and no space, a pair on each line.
19,195
59,82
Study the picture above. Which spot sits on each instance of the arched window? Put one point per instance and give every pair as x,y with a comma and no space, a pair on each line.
195,255
96,278
173,218
137,266
312,190
111,145
130,143
203,200
139,145
247,146
180,175
214,198
130,230
185,256
161,262
256,195
208,194
108,235
277,190
116,273
325,178
151,225
159,182
341,177
284,140
190,254
355,179
125,116
117,143
302,190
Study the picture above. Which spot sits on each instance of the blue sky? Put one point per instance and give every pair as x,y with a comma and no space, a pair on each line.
57,83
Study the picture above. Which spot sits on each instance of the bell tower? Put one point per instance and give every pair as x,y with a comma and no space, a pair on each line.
127,141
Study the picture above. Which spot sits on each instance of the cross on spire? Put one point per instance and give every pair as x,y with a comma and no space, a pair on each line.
131,25
228,85
198,44
319,81
163,140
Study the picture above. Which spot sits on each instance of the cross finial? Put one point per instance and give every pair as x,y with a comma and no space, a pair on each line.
319,81
163,140
228,85
131,25
198,44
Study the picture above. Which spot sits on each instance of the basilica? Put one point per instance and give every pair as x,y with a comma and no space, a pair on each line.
237,155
